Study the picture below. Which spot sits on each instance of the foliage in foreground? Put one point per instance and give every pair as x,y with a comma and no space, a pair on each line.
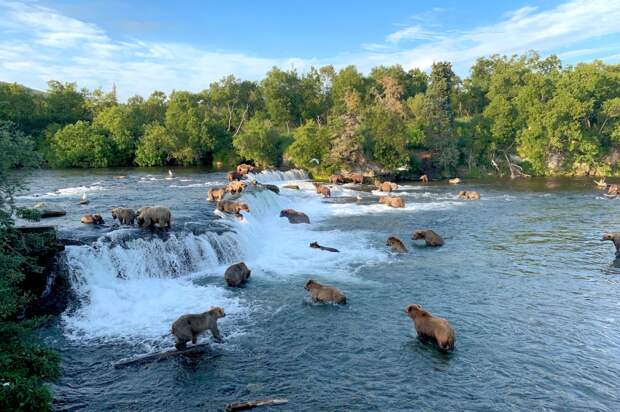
24,364
548,118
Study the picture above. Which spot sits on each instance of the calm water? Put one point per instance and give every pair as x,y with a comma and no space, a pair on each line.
531,291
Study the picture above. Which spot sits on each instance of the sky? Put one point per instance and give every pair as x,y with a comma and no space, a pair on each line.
141,46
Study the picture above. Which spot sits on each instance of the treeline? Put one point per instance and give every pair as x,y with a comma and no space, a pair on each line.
512,114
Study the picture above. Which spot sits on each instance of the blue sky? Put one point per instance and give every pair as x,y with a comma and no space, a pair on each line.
142,46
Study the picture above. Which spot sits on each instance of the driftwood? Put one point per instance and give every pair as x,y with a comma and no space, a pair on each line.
242,406
193,350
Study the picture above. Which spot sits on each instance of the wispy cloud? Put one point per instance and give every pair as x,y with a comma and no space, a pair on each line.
39,43
416,32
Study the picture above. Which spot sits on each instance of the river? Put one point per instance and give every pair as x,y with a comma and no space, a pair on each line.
531,291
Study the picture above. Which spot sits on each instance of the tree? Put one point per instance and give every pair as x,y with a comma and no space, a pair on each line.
186,122
116,123
259,141
80,145
155,146
439,116
24,363
311,141
283,97
65,104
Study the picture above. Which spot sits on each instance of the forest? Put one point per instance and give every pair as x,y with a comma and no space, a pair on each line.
520,114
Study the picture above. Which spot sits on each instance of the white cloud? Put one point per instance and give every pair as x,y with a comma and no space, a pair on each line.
416,32
38,44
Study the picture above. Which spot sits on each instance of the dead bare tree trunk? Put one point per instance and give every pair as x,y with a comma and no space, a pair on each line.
241,121
195,350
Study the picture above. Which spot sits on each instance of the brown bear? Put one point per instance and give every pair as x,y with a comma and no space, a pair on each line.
188,327
424,179
386,186
151,215
469,195
613,190
336,179
295,216
315,245
396,244
275,189
322,189
216,193
392,201
229,206
237,274
235,187
355,178
243,169
614,237
325,293
124,215
431,238
92,220
429,327
231,176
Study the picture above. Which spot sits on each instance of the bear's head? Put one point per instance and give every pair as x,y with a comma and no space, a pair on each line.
314,245
419,234
310,284
114,213
393,240
217,311
414,310
285,213
607,236
243,206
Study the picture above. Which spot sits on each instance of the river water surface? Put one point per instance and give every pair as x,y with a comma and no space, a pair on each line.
530,290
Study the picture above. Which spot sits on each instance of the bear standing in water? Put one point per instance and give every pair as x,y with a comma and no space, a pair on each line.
429,327
614,237
188,327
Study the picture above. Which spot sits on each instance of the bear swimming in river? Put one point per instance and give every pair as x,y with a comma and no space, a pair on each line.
315,245
469,195
392,201
396,244
325,293
431,238
614,237
429,327
295,216
92,220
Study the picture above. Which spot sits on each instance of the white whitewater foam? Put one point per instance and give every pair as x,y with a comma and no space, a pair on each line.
137,288
77,191
267,176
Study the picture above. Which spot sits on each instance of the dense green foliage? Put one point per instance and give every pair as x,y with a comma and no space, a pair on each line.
24,364
521,110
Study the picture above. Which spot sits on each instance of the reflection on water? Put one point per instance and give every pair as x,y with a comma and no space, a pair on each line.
523,277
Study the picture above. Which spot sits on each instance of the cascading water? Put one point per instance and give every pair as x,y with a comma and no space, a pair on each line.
131,283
